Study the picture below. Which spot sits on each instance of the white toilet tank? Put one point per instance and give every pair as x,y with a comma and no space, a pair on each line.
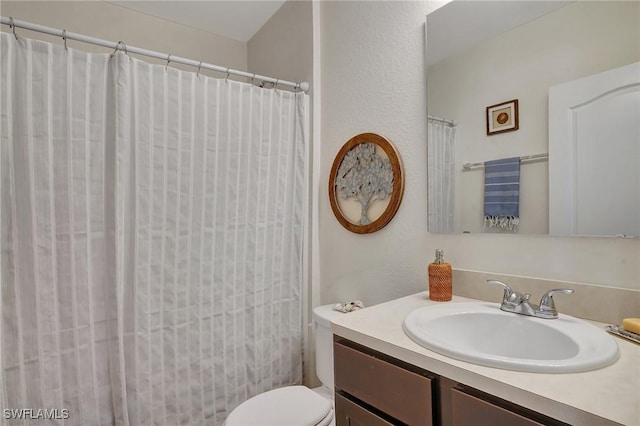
322,316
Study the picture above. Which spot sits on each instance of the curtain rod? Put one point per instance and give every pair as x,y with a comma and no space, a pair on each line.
468,166
450,123
14,23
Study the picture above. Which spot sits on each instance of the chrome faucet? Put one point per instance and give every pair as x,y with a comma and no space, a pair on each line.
518,303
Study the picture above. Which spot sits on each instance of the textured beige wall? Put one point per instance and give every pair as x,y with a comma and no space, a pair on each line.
373,79
112,22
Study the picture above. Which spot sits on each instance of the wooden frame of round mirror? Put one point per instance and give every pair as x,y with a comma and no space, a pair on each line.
367,177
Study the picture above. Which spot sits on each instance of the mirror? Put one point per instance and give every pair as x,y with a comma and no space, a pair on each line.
486,53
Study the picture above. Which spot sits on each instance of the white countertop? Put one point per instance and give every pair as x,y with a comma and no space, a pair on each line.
612,393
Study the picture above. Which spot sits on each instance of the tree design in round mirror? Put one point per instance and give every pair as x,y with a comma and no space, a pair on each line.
366,183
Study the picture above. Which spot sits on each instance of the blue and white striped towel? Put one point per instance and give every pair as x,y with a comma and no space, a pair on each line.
502,193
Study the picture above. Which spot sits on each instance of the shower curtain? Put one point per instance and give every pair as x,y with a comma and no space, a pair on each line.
441,176
152,228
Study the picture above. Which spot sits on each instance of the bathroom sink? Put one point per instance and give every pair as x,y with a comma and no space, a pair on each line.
480,333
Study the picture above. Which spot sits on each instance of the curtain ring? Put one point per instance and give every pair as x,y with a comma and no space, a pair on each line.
199,67
115,50
168,61
253,77
228,74
275,85
117,47
13,27
64,37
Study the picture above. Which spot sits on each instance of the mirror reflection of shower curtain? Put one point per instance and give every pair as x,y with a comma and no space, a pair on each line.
441,176
151,238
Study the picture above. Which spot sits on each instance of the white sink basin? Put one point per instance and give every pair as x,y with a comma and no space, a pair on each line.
479,332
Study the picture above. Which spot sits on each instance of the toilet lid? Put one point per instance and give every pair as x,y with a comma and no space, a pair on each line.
288,406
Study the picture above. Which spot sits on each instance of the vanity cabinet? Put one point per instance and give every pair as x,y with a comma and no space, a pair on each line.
373,389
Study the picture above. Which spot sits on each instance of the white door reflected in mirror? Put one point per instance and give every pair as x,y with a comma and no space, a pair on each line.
594,148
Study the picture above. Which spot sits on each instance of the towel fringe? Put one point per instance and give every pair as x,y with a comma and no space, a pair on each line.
503,222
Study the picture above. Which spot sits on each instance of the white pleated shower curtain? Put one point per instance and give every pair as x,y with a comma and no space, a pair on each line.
152,228
441,141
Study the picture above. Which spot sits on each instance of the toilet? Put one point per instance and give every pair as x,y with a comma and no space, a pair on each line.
297,405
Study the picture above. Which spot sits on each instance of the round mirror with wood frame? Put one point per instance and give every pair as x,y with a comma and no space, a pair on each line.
368,171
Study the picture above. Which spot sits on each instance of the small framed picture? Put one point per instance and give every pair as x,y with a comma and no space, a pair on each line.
502,117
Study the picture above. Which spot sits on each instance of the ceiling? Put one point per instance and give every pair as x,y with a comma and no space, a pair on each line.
238,19
454,27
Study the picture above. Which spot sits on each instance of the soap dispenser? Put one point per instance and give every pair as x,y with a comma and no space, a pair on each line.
440,280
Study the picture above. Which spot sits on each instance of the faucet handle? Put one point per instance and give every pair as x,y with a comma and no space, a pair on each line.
547,307
506,286
509,294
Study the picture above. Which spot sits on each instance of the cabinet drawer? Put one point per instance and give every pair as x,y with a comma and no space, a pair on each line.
400,393
468,410
349,413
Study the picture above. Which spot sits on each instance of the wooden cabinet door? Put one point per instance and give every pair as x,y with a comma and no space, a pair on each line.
349,413
469,410
402,394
